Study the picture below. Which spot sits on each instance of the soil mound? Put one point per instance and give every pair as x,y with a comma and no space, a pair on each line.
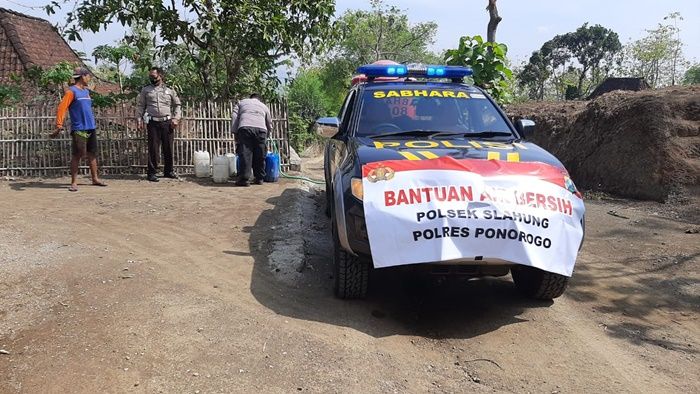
643,145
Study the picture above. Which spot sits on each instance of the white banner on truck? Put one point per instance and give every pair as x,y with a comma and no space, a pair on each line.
446,209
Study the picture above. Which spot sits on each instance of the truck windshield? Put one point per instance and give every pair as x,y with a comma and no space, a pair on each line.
445,110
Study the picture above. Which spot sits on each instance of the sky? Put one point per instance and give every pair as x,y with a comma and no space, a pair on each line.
526,24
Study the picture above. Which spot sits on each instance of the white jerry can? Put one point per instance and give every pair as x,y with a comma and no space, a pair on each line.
220,169
202,164
231,163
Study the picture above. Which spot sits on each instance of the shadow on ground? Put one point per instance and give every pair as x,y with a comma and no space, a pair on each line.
22,186
399,302
62,182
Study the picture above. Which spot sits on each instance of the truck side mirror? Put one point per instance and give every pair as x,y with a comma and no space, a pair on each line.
327,127
525,127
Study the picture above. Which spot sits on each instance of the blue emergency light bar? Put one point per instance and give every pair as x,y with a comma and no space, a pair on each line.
383,70
420,71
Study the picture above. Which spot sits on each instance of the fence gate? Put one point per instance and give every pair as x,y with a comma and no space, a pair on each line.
26,150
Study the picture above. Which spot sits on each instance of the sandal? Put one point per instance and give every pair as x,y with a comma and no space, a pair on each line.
72,188
101,184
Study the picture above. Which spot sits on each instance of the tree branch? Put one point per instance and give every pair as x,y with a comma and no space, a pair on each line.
494,20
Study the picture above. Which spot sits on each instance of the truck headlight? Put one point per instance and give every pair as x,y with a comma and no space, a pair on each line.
356,187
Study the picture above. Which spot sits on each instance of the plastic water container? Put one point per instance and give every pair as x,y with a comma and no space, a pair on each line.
202,164
220,169
232,163
272,167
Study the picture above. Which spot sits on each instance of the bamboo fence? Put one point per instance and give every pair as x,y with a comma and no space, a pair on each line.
27,151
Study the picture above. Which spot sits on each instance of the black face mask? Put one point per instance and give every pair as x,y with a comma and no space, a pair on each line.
153,80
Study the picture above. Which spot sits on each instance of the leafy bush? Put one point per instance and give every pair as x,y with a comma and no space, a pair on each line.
489,63
307,102
692,75
9,95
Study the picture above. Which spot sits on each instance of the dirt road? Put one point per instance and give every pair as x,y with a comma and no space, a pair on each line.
199,288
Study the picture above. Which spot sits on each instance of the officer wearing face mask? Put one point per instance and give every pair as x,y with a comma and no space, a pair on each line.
161,106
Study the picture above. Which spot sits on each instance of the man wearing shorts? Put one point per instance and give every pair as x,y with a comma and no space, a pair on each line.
78,104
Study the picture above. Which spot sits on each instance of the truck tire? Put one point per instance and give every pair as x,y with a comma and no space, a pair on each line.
538,284
351,272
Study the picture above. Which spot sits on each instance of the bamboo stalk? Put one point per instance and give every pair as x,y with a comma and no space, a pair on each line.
26,150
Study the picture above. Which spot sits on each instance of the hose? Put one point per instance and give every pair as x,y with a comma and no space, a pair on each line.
297,177
302,178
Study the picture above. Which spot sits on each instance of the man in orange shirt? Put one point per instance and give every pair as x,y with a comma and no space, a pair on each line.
78,103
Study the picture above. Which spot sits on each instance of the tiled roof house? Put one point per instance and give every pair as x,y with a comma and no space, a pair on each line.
27,42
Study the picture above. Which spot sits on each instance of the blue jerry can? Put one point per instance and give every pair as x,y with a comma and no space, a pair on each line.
272,167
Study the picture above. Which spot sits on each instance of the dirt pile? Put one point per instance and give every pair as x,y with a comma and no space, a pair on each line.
644,145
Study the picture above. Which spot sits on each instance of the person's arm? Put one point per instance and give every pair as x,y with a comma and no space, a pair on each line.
176,107
140,108
62,111
234,119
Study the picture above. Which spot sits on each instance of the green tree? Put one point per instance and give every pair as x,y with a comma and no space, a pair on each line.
336,74
224,43
692,75
589,53
125,63
307,102
117,58
658,56
535,74
594,48
384,32
488,62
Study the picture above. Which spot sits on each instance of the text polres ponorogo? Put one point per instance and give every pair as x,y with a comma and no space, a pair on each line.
483,233
420,195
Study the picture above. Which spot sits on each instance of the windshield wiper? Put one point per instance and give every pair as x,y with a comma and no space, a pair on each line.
488,134
432,133
405,132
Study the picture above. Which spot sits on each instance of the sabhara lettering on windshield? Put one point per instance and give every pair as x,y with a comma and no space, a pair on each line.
422,195
420,93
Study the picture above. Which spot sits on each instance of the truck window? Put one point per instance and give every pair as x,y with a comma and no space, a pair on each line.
447,109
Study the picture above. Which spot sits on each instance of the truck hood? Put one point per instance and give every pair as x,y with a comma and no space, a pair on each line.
373,150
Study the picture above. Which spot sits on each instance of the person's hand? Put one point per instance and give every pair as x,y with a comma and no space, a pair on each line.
56,132
139,125
174,123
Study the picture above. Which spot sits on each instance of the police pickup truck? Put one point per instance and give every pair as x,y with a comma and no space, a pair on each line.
424,115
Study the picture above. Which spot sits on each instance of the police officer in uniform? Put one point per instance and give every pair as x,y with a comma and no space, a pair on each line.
251,122
162,108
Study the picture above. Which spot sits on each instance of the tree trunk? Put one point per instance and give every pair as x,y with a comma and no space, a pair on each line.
581,78
377,52
119,75
494,20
